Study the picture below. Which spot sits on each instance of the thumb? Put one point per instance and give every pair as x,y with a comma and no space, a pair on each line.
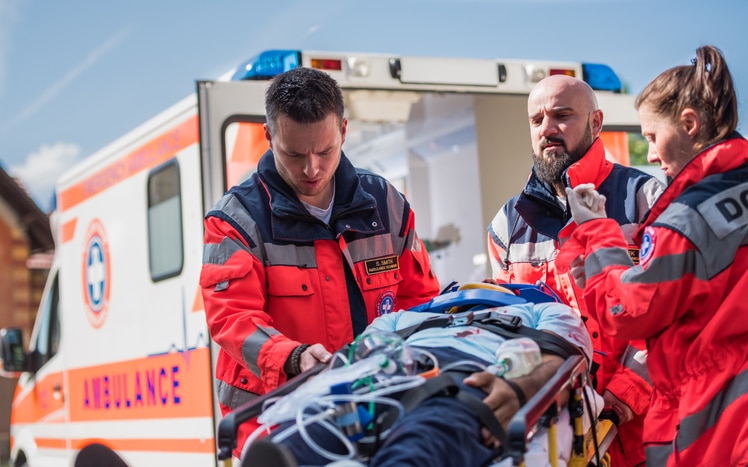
320,353
573,200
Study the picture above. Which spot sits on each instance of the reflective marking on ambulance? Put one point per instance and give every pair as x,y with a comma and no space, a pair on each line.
149,155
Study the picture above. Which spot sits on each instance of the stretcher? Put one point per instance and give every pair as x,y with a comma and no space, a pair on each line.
560,405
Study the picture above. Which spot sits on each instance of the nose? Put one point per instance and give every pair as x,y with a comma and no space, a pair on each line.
547,127
652,155
312,165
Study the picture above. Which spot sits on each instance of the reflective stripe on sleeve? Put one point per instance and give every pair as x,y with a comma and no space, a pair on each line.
658,455
667,268
252,345
220,253
231,396
631,360
233,211
604,257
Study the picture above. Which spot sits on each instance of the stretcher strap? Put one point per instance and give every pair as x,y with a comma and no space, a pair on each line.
548,343
485,415
445,385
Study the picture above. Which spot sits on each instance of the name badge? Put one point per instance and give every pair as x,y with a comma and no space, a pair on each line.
388,263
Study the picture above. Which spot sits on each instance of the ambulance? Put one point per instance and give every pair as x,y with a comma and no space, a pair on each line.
120,356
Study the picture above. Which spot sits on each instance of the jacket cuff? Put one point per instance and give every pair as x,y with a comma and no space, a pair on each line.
273,374
631,389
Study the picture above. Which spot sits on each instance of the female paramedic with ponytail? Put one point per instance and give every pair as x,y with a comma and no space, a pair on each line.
687,296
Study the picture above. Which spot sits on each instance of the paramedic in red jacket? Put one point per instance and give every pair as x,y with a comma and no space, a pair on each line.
302,256
523,238
687,296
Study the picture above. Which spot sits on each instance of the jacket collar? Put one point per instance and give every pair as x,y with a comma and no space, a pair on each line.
353,208
549,217
593,167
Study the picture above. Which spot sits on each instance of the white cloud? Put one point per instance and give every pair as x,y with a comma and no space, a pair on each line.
43,167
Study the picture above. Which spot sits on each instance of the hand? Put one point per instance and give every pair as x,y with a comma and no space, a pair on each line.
312,355
625,414
501,399
585,203
577,271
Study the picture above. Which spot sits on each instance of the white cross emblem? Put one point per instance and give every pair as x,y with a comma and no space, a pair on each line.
96,273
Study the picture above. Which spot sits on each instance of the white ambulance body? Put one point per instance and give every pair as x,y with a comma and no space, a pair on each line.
120,353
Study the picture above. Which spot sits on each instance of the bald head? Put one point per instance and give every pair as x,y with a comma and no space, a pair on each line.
563,88
564,122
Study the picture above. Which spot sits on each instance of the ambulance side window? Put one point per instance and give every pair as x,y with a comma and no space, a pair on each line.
48,338
166,253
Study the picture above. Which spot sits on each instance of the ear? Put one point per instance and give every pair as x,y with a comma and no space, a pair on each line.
268,138
690,122
344,130
596,122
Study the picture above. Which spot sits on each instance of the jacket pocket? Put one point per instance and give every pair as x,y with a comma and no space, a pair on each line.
289,281
381,280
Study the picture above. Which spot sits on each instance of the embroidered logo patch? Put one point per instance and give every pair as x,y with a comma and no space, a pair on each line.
386,303
387,263
648,243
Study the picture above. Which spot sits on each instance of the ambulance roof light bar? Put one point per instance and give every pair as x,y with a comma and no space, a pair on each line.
270,63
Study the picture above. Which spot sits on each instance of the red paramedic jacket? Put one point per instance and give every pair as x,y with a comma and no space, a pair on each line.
689,298
275,277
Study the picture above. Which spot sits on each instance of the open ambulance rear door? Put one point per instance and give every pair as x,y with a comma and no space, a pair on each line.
452,134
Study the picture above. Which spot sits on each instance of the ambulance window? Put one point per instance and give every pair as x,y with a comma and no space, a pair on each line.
166,255
48,338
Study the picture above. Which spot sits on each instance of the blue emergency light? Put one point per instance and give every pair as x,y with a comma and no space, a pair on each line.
601,77
267,64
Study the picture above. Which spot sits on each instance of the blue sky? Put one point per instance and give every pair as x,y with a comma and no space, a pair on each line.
77,74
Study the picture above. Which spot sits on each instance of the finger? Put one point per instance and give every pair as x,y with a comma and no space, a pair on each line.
487,382
488,439
600,203
319,353
481,379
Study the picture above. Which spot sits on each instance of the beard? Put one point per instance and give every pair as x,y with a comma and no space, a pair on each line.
551,168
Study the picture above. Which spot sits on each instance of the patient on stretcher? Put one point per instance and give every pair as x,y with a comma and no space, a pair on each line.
382,403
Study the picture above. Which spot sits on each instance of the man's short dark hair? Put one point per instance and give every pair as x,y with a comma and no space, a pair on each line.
305,95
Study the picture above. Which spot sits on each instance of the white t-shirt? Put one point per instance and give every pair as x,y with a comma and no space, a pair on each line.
319,213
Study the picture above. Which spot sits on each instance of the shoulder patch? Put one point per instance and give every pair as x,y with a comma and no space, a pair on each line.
648,243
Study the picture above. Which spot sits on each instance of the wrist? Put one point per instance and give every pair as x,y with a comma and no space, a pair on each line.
521,397
292,367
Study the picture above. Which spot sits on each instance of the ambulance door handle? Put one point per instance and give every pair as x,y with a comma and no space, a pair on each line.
57,392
